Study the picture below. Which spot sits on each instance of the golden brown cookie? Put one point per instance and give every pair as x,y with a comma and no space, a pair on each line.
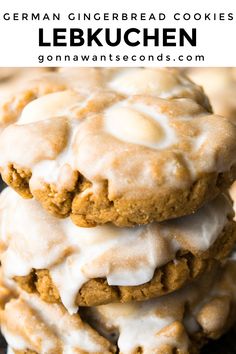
127,146
91,266
180,322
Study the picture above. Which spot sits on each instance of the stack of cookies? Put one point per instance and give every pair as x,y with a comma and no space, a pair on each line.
115,233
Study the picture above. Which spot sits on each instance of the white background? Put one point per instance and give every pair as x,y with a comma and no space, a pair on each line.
215,39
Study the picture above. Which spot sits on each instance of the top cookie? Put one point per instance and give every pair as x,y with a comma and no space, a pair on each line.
127,146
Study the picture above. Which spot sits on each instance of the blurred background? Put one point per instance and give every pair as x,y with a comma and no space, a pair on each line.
220,86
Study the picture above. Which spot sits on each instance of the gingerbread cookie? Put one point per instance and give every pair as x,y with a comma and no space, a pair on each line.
91,266
180,322
127,146
33,326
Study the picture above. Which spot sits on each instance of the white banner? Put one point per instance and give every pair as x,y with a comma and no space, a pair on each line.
117,33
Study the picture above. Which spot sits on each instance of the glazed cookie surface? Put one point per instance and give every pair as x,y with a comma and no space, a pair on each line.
14,80
91,266
112,145
180,322
33,326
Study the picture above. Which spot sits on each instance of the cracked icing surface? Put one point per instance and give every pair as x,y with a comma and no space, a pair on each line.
181,321
32,239
127,146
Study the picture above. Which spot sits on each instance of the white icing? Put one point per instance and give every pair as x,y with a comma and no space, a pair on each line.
51,171
137,324
145,81
68,331
153,323
205,220
168,320
13,340
139,124
49,106
162,83
31,238
199,142
48,328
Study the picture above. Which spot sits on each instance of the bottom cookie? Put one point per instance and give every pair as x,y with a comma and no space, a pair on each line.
180,323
